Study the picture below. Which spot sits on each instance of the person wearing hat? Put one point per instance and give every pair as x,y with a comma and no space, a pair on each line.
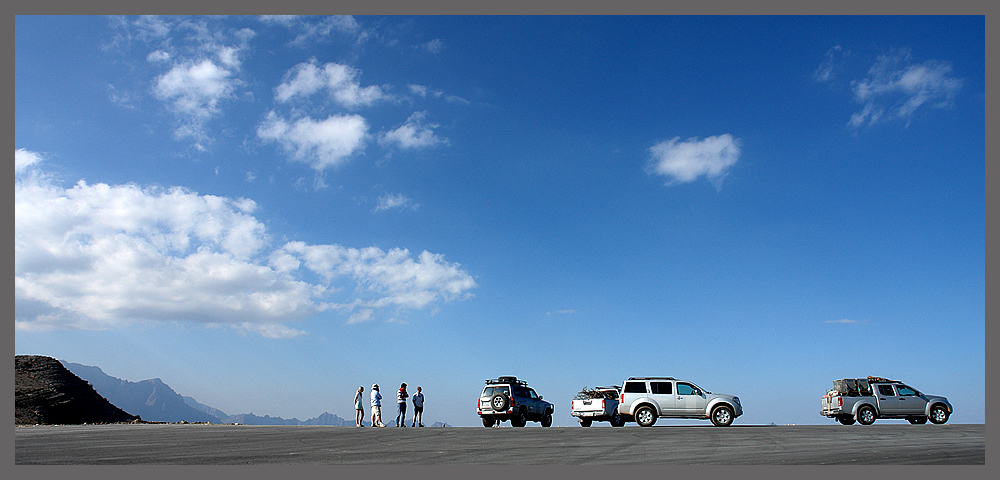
376,407
401,406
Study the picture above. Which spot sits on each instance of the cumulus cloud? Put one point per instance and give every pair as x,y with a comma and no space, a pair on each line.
339,81
25,160
413,134
391,201
381,278
101,256
895,89
320,144
200,65
685,161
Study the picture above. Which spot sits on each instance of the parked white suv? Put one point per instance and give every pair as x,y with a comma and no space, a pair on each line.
644,399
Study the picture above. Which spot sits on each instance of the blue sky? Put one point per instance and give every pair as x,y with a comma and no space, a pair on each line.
267,212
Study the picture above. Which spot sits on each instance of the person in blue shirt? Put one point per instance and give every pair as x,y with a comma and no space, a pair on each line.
418,408
376,407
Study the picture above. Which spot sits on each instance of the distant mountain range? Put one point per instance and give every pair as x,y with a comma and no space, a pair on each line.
155,401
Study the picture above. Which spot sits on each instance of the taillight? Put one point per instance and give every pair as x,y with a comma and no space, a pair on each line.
840,402
621,399
602,404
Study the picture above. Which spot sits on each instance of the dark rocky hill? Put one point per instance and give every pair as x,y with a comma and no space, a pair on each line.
152,399
46,392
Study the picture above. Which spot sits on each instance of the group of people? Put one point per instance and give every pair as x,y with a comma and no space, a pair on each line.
376,403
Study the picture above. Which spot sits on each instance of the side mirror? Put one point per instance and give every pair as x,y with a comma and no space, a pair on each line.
540,397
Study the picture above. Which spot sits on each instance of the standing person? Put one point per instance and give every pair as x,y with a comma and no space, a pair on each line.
418,408
401,406
376,407
359,407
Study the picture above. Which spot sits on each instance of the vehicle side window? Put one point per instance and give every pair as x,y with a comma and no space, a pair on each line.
685,389
661,387
635,387
886,390
905,391
531,392
520,392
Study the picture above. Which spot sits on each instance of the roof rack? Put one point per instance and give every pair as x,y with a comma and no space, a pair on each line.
512,380
652,378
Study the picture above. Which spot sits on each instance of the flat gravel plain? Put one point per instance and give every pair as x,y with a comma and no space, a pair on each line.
207,444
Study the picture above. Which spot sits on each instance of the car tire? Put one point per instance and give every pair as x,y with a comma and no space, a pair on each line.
939,414
617,420
519,419
645,416
916,420
546,420
499,402
866,415
585,422
489,422
722,416
846,420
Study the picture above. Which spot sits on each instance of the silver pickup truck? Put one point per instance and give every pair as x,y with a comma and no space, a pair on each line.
866,399
644,399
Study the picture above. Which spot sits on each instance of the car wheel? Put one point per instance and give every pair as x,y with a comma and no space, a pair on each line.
488,422
846,420
585,422
645,416
939,414
722,416
617,420
519,420
547,420
499,402
916,420
866,415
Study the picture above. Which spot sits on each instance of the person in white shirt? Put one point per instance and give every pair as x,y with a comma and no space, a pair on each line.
418,408
376,407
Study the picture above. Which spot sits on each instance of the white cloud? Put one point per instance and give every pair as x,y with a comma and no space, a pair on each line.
896,89
25,160
317,31
382,279
100,256
339,81
843,320
321,144
424,91
194,92
389,202
686,161
413,134
824,73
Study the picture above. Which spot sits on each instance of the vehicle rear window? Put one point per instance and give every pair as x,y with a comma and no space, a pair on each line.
489,391
635,387
661,387
886,390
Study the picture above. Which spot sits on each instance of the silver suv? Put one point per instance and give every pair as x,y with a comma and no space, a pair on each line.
507,398
644,399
